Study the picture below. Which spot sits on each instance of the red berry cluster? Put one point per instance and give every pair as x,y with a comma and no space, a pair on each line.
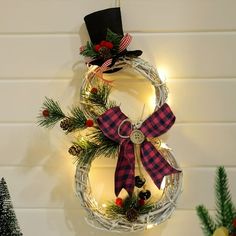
105,44
119,202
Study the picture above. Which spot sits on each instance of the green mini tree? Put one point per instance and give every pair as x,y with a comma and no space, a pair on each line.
225,210
8,222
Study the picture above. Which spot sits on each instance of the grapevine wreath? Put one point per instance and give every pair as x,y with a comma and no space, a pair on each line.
101,129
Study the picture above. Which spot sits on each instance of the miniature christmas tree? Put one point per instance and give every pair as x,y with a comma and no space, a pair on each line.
224,223
8,222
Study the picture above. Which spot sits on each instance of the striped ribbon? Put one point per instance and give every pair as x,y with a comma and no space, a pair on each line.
125,41
104,66
99,71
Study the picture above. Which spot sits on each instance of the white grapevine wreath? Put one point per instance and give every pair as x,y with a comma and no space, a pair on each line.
105,131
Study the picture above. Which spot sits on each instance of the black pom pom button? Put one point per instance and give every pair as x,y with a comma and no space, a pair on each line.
139,182
144,194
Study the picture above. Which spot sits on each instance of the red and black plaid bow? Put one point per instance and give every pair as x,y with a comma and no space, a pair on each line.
158,123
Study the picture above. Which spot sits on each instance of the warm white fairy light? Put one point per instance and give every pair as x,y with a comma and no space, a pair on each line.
152,102
163,183
165,146
149,226
162,74
104,205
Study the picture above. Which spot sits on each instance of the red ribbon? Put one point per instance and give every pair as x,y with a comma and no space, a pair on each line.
115,125
124,43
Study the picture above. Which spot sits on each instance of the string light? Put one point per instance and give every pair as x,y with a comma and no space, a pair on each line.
150,226
162,75
163,184
165,146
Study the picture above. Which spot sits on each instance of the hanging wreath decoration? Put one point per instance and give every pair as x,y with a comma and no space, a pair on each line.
110,133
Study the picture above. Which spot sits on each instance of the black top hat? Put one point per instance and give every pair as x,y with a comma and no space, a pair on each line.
98,23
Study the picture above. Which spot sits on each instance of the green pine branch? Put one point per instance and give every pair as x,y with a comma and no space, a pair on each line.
89,51
88,152
207,223
225,209
114,38
224,204
55,113
77,119
99,102
112,210
106,147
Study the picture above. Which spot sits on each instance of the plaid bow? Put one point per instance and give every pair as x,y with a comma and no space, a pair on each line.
113,126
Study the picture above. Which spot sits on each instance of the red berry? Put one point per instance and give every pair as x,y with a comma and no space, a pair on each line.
103,43
45,113
234,223
89,123
94,90
119,202
109,45
141,202
81,49
97,47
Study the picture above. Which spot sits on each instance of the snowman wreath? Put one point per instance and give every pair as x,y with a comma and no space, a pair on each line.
101,129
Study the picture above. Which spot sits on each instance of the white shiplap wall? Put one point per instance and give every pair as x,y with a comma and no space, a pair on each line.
195,41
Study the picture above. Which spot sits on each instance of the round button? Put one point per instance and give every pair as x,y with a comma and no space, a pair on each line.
137,136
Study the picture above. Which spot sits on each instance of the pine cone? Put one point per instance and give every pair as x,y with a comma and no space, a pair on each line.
75,150
105,53
132,215
66,124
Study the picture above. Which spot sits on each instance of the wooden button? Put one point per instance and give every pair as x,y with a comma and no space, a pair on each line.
137,137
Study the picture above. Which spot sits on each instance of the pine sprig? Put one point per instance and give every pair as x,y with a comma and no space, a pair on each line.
114,38
106,147
207,223
89,51
224,205
55,113
112,210
225,209
88,153
99,102
77,118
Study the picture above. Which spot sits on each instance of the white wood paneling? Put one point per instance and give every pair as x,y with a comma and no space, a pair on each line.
180,54
191,100
21,16
178,15
193,145
61,222
202,100
52,187
193,41
53,16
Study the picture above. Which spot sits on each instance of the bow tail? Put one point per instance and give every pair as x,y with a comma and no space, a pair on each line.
155,164
124,174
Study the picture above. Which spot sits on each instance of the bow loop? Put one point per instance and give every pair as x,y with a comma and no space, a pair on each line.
112,124
159,122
